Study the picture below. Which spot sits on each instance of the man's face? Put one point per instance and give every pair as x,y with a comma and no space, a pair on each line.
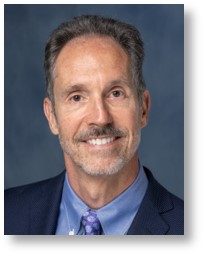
97,114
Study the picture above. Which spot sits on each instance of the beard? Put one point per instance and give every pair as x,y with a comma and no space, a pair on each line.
101,162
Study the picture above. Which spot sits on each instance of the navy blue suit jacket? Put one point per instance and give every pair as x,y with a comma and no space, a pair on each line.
33,209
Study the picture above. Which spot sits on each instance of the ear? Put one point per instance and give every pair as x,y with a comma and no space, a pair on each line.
49,113
146,102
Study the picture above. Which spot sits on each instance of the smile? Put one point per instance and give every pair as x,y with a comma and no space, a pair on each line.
100,141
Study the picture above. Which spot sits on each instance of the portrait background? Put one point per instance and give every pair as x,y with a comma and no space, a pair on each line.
32,153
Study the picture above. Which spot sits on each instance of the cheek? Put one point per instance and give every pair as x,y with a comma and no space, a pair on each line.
69,124
128,118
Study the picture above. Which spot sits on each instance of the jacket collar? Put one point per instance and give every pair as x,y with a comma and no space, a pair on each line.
148,220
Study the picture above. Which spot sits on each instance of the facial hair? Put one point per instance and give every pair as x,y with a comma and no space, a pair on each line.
96,167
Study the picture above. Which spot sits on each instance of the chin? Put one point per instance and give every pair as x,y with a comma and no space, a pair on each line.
106,169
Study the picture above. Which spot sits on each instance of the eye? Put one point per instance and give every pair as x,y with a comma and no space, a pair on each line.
76,98
117,93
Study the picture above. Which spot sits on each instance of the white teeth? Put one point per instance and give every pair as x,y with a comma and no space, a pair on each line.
102,141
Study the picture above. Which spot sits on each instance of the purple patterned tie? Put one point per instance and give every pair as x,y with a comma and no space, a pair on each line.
91,223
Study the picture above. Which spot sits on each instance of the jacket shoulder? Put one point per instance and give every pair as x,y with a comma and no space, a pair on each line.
27,191
20,201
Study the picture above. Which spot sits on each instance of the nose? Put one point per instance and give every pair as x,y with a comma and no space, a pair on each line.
98,113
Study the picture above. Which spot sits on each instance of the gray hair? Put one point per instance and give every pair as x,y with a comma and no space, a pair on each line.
125,34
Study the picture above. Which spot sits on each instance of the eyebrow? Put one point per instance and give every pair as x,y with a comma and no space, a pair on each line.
119,82
73,88
80,87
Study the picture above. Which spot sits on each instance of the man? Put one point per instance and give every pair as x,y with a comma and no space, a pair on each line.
97,104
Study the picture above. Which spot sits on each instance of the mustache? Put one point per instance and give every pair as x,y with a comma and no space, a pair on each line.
107,130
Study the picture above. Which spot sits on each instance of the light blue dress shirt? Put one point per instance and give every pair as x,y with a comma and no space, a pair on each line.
115,217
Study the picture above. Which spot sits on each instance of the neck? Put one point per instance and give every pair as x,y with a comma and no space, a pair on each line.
97,191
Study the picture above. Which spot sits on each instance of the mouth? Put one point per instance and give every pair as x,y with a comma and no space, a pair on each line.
101,141
106,136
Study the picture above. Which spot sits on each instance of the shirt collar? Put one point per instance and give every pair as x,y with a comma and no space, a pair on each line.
115,217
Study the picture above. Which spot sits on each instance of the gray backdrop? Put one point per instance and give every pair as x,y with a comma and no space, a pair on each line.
32,153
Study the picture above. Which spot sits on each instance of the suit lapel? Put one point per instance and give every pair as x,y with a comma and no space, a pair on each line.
44,208
148,220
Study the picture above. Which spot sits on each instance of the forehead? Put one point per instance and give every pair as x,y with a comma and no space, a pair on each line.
89,50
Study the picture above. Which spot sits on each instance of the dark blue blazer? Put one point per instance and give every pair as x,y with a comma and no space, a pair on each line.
33,209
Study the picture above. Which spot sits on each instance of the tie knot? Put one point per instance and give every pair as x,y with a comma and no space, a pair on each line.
91,223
